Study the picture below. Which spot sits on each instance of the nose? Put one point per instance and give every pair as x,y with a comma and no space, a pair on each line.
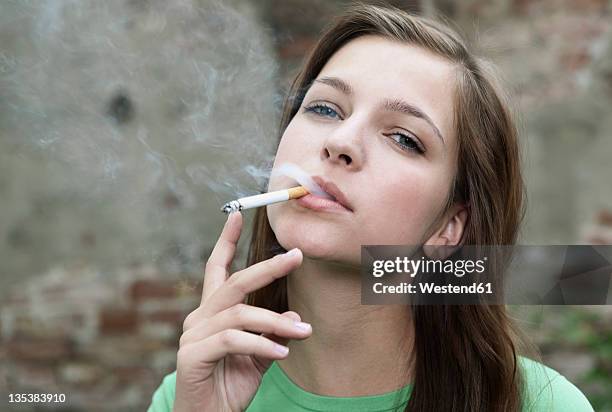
344,147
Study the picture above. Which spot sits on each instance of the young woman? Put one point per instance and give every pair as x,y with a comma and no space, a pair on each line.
410,133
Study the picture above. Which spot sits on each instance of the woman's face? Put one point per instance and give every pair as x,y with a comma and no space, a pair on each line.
378,124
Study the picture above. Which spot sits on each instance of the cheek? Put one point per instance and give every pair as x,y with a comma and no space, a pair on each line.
404,209
294,142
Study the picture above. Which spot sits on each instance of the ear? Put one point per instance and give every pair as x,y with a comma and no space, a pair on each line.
449,236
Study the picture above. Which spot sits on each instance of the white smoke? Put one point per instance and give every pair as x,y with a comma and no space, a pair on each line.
300,176
130,119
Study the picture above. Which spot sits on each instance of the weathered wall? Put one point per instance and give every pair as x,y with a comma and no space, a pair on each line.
119,124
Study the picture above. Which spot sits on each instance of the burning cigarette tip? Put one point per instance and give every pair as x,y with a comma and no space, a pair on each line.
233,206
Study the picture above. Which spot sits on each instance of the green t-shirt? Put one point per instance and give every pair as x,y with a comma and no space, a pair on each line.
546,390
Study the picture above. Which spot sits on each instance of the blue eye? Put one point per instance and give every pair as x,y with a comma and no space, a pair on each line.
322,110
407,142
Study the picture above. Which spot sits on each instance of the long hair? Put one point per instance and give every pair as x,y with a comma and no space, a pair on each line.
465,356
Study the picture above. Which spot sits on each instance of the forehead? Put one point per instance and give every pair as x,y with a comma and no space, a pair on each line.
378,68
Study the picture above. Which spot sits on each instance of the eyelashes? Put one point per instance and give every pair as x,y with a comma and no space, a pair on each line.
407,143
322,110
403,141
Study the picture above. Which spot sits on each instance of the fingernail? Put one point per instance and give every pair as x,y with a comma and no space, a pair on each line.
293,252
302,325
283,350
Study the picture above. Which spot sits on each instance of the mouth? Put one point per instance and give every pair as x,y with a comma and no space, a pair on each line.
337,202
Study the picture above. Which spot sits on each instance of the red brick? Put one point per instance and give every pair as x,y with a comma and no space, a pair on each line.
39,349
15,299
575,59
297,48
604,217
588,5
115,321
167,316
152,289
36,375
129,374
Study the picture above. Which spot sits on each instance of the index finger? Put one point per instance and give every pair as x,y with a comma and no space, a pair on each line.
221,257
248,280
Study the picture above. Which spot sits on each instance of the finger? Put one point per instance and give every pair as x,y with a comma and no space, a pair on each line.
198,316
231,341
264,363
221,257
295,317
283,340
248,280
250,318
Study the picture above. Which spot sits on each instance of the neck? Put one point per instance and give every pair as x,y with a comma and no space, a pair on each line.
354,350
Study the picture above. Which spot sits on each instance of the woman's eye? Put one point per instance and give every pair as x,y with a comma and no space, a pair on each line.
322,110
407,142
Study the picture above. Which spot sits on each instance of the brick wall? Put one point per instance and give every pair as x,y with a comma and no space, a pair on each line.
103,339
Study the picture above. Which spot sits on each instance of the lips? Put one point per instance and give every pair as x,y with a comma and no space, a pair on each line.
333,190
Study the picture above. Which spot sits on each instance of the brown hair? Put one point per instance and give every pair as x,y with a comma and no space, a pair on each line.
465,355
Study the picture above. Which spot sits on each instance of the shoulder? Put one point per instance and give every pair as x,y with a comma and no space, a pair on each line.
545,389
163,398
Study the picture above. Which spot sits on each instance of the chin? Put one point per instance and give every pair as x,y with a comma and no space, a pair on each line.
316,241
312,242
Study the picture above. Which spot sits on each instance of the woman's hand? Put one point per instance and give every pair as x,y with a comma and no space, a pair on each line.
219,363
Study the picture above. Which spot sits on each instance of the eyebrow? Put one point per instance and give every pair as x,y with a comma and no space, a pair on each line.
392,105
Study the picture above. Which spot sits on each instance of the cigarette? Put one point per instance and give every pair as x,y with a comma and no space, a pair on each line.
264,199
